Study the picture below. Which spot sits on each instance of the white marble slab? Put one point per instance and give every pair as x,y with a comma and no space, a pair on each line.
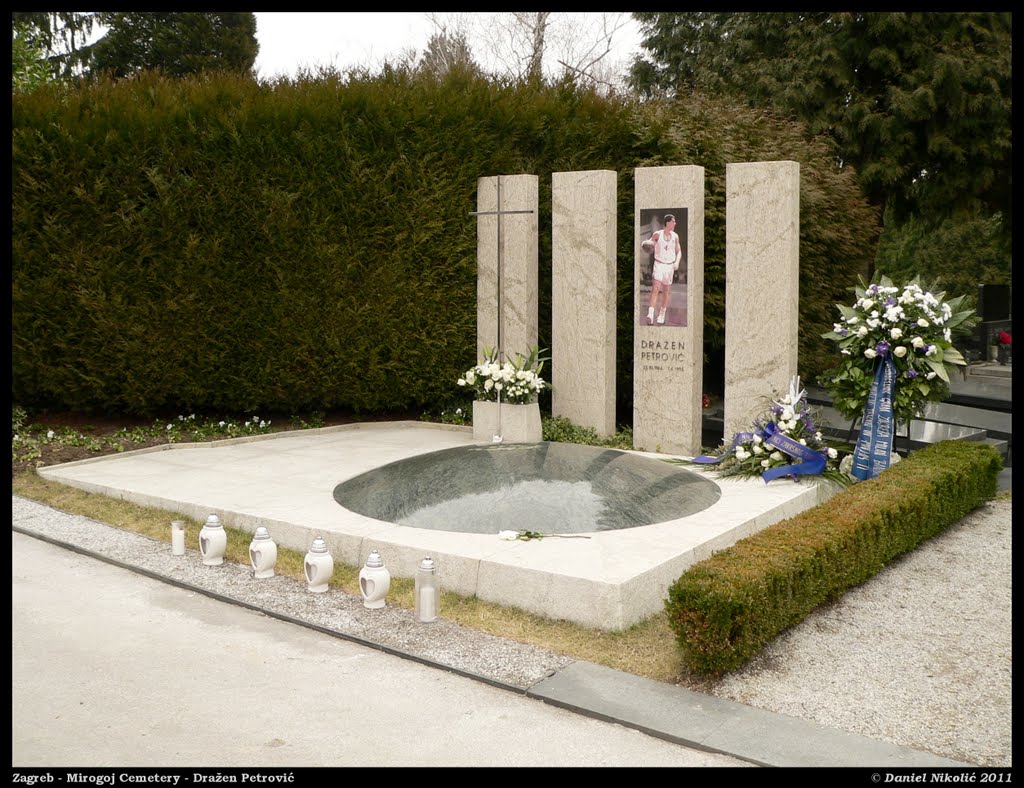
285,481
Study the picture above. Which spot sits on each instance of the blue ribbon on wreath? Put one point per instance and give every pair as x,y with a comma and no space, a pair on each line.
874,444
737,439
811,461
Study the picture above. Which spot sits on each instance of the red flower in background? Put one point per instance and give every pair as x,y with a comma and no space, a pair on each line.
706,402
1004,338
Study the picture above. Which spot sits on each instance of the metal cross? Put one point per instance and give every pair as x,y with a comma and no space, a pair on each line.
499,213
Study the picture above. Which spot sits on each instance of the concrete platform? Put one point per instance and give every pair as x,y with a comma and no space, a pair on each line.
285,481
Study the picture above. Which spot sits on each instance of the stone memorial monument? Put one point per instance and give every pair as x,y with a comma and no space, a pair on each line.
583,263
762,286
668,309
506,316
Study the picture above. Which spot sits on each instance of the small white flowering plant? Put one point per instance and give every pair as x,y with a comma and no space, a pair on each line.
782,439
913,326
517,381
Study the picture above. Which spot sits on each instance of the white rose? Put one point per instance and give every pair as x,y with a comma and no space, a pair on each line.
922,322
759,450
832,453
896,333
460,381
776,455
870,352
756,439
787,414
899,351
765,463
917,342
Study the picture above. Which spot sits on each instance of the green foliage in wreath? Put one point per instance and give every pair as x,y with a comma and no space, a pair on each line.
912,325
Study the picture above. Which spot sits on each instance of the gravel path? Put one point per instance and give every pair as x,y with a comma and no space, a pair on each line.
920,655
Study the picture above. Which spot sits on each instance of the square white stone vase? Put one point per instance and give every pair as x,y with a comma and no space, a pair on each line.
518,424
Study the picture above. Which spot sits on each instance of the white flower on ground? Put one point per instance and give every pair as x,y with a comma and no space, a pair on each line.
51,433
508,536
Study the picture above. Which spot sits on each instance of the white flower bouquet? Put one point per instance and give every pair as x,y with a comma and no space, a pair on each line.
784,441
908,325
517,382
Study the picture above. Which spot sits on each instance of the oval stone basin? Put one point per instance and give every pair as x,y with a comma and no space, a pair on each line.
553,488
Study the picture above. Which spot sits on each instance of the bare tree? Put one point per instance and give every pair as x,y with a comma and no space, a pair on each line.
448,47
524,45
585,51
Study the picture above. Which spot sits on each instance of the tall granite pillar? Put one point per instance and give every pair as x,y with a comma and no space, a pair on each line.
583,234
506,319
762,286
668,313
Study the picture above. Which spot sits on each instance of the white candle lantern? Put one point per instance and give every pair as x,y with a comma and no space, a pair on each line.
212,541
177,537
426,591
262,553
374,581
319,566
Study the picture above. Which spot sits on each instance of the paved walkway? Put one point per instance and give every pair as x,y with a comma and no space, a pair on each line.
112,668
151,673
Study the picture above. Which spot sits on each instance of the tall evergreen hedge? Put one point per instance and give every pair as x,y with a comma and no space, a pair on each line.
221,244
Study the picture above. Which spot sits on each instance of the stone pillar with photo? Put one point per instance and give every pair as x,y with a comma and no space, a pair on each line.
668,347
583,274
514,231
762,286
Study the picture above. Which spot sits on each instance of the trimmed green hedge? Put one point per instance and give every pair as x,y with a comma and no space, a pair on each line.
220,244
725,609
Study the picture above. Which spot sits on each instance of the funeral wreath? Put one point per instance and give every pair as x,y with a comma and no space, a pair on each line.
909,326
